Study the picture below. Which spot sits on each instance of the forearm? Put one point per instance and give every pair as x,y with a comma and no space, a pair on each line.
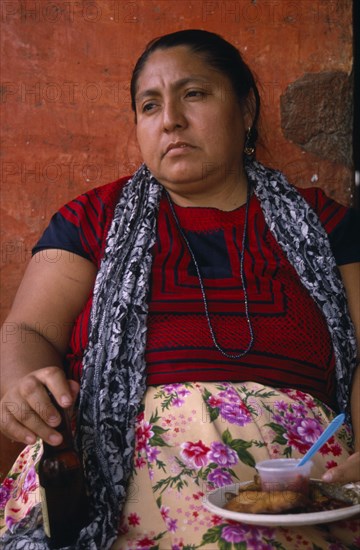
355,408
349,470
38,328
23,350
351,276
34,340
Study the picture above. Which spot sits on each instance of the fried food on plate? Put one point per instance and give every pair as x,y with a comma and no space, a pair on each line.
322,496
262,502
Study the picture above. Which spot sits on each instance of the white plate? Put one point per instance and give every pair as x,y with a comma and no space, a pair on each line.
215,501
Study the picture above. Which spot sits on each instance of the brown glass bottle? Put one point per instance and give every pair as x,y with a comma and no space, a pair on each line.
64,500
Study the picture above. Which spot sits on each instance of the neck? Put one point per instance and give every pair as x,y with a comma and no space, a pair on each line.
224,195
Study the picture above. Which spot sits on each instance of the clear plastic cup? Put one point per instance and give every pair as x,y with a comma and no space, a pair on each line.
283,474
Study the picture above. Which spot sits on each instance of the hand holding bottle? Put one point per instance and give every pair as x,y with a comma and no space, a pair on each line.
27,411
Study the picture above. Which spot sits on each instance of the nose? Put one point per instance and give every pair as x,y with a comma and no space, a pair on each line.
173,115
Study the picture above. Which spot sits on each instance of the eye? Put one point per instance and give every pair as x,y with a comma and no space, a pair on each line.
201,94
147,107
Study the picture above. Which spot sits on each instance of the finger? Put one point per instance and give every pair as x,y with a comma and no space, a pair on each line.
346,472
26,425
17,431
62,389
333,475
42,402
36,406
30,413
11,428
35,390
35,410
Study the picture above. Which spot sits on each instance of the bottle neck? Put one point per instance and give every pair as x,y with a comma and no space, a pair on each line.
64,428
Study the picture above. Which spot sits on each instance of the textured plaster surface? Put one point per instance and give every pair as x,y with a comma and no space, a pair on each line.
67,126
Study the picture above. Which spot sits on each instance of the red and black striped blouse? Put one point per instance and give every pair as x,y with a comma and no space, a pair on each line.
292,346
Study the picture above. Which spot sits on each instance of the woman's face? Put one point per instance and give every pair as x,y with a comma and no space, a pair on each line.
190,126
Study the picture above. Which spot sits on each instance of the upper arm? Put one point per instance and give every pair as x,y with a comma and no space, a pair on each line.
350,274
51,295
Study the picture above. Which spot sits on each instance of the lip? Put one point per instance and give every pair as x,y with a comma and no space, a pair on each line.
177,146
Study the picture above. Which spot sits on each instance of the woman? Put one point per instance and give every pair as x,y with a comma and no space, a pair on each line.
196,363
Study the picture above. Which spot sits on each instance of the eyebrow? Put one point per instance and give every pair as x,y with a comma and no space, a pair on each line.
151,92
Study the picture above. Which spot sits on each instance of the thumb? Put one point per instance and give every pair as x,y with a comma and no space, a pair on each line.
335,475
346,472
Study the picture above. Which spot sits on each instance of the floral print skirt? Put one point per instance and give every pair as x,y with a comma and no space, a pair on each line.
193,438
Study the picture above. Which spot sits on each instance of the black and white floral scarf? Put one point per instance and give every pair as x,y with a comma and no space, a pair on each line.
113,382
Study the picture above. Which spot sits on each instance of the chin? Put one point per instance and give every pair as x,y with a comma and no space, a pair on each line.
179,171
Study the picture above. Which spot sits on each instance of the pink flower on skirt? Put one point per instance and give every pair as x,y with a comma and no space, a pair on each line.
309,430
234,533
134,519
30,482
145,543
214,401
222,454
4,496
195,454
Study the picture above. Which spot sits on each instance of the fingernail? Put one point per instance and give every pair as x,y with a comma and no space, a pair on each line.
327,476
53,438
53,419
65,400
30,439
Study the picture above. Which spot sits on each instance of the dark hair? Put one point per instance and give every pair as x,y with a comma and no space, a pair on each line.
218,53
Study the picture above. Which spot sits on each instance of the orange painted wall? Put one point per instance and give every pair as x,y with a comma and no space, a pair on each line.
66,121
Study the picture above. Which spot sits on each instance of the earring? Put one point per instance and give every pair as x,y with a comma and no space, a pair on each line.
250,142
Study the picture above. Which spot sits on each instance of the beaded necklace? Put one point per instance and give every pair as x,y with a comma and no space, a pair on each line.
201,283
